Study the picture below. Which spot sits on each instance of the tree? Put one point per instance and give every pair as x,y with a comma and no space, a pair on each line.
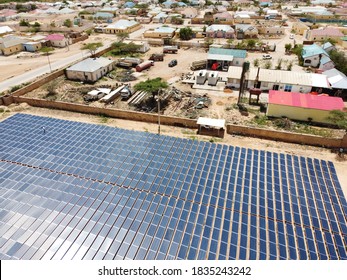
68,23
339,60
23,22
186,33
290,66
331,41
256,62
338,118
288,47
279,64
119,48
48,51
268,65
298,51
177,20
251,43
92,47
151,86
36,27
122,36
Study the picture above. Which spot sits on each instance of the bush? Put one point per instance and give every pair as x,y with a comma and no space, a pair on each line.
14,88
260,120
284,123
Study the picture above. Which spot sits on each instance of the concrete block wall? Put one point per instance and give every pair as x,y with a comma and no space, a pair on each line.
121,114
288,137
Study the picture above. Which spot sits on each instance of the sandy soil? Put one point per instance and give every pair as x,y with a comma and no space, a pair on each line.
253,143
22,62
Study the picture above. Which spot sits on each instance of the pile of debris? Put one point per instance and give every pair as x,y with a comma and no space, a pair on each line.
125,76
144,101
198,102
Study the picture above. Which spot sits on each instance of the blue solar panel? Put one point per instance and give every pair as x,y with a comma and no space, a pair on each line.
82,191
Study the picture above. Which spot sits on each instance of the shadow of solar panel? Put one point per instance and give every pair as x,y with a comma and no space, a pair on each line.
83,191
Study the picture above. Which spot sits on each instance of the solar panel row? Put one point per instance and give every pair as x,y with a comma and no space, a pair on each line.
81,191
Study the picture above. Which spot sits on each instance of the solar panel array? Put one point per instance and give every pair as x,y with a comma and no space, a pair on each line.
83,191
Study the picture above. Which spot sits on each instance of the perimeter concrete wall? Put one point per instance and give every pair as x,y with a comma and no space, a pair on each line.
37,84
288,136
121,114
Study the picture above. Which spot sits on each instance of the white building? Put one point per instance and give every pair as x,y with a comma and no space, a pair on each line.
90,69
268,79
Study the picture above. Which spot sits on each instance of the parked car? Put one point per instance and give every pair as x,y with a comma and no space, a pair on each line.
173,63
291,36
267,56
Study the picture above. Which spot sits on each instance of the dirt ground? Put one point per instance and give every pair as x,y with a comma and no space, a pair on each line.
247,142
22,62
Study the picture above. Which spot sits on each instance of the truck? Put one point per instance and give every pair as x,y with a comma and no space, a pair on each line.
144,65
128,62
198,65
157,57
170,49
126,92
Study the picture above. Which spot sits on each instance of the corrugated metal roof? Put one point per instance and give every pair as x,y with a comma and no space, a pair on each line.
336,78
220,57
165,29
5,29
90,64
219,123
281,76
122,24
312,50
217,27
7,42
234,53
325,60
328,31
309,101
55,37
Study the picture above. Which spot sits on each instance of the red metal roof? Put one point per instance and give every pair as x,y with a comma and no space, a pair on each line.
302,100
55,37
328,31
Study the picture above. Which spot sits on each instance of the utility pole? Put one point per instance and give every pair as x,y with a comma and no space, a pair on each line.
245,68
158,98
49,63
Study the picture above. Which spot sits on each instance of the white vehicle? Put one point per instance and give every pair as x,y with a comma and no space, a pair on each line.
291,36
267,56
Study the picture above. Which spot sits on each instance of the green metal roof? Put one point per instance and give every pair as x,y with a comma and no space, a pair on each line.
234,53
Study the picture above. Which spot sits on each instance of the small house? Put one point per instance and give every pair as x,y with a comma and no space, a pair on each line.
160,18
32,46
221,59
211,127
90,69
58,40
323,34
246,31
160,32
104,16
222,17
242,18
302,107
122,26
300,28
313,54
220,31
189,12
11,44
